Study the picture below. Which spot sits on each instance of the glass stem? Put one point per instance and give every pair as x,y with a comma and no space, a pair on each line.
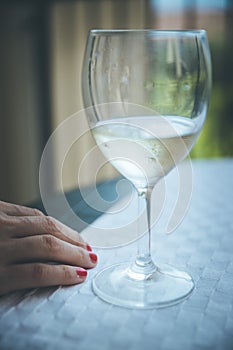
143,267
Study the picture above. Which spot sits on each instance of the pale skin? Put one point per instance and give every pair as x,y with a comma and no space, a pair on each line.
30,241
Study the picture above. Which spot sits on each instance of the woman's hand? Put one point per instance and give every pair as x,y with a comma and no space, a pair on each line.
30,241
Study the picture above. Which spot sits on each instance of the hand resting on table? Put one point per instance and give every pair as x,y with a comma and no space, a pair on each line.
30,241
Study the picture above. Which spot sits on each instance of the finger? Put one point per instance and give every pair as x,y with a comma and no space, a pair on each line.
46,248
35,275
18,210
30,226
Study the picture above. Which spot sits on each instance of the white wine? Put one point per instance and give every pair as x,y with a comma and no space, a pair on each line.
144,149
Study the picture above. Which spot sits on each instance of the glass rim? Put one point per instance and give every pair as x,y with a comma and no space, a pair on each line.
184,32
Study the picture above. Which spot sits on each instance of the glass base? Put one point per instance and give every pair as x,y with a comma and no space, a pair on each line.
166,286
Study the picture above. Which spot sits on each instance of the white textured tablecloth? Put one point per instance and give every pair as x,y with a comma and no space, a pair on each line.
74,318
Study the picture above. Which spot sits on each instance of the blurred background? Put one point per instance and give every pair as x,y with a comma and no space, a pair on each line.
42,46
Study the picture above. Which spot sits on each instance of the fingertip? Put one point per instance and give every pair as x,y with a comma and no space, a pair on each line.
81,272
93,257
89,247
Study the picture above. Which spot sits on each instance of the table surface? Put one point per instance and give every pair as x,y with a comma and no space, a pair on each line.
74,318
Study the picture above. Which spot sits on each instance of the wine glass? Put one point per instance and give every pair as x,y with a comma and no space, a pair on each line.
147,93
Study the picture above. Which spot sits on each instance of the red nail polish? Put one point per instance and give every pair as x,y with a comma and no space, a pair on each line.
89,248
81,272
93,257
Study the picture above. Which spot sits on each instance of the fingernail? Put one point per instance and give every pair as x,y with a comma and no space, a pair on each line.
81,272
89,248
93,257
